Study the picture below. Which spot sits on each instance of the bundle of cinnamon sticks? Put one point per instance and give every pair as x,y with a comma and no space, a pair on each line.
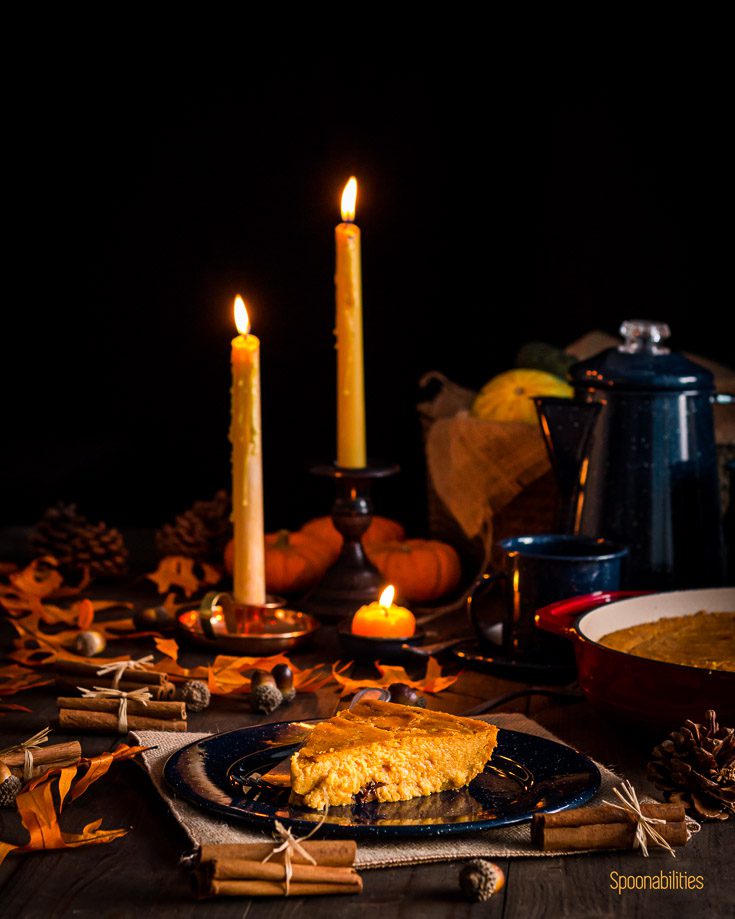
102,714
53,756
605,827
241,870
74,674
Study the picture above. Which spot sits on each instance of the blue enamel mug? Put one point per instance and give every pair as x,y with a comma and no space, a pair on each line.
538,570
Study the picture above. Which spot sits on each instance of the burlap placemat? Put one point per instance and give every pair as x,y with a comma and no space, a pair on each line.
202,827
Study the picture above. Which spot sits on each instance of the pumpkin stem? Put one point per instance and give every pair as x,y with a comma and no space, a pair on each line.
282,540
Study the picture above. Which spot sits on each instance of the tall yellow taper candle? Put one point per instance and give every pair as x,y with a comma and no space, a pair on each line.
247,464
350,375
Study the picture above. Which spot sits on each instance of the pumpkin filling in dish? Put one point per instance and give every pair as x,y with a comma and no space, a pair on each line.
386,752
705,640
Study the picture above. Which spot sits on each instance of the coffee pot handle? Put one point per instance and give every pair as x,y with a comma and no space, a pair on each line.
724,398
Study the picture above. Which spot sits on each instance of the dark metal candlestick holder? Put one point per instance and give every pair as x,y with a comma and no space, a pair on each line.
352,580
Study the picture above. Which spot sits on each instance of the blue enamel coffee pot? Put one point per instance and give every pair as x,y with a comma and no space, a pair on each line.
635,458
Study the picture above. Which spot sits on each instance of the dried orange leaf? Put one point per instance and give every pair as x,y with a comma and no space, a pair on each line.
170,666
39,815
96,769
433,681
99,765
5,848
14,678
10,707
39,579
178,571
66,777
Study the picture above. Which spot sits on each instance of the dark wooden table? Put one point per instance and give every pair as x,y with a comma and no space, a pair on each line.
139,875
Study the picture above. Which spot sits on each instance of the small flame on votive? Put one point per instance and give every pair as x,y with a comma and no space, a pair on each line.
387,597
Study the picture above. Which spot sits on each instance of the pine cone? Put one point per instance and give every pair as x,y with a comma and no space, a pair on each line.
201,532
695,766
76,543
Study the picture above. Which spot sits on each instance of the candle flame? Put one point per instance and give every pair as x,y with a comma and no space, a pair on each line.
349,197
242,320
387,597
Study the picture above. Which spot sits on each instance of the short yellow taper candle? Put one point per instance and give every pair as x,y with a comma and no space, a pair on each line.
350,375
247,464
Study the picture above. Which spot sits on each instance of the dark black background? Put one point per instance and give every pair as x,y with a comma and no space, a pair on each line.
537,199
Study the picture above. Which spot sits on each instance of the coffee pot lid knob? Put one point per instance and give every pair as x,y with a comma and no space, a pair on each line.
644,335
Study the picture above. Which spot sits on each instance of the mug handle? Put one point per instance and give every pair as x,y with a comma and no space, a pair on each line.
481,586
560,618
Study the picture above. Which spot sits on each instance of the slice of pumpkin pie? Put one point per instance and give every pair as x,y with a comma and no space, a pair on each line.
386,752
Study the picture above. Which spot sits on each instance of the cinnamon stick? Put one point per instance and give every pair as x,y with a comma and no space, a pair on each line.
605,827
136,675
48,755
585,816
76,720
234,869
332,853
169,711
157,690
274,889
54,756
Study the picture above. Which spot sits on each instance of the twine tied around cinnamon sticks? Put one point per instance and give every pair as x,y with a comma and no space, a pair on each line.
629,824
645,830
141,695
26,747
290,846
320,868
118,668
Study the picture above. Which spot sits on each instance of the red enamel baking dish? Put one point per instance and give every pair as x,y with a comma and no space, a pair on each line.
638,690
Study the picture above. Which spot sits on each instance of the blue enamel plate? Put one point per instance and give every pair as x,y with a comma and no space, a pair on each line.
527,775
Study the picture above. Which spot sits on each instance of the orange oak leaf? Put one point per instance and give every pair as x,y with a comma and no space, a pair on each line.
14,678
170,665
178,571
42,579
39,813
39,579
432,682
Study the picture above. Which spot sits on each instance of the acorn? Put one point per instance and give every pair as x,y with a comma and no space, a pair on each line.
10,785
261,678
153,619
195,695
266,697
402,694
90,643
479,879
283,675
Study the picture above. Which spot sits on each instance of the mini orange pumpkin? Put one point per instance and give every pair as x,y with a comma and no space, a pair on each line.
421,569
381,530
293,561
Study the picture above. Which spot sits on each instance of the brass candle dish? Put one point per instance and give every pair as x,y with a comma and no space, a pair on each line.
220,623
